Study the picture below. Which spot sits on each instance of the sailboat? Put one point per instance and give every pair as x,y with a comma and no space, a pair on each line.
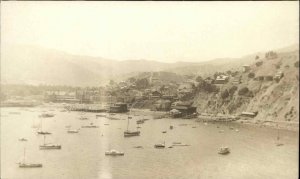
23,164
41,130
49,146
129,133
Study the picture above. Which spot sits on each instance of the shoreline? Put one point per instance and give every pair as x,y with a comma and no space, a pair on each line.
282,125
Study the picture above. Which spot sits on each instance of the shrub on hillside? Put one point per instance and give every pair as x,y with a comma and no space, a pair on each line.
232,90
243,91
225,94
259,63
296,64
271,55
199,79
251,75
207,87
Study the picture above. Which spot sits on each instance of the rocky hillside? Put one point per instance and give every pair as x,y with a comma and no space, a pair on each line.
257,91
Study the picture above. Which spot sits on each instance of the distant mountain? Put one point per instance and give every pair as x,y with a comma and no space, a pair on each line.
35,65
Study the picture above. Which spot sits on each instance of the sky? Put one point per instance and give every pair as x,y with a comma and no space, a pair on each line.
161,31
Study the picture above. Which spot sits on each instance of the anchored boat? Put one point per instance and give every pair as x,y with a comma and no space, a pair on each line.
114,153
23,164
161,145
49,146
224,150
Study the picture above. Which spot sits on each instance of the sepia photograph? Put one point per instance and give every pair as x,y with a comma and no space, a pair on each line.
149,90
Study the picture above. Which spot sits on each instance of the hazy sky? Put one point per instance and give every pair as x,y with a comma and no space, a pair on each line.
162,31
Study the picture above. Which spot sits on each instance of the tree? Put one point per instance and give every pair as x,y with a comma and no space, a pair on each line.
232,90
142,83
199,79
132,80
258,63
251,75
243,91
225,94
111,82
296,64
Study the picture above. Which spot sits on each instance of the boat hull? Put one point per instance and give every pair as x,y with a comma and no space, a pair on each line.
55,147
131,134
89,126
23,165
44,133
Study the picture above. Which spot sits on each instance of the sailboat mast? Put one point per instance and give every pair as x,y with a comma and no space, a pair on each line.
24,156
277,132
127,123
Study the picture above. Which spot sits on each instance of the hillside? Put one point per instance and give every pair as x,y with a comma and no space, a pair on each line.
272,100
22,64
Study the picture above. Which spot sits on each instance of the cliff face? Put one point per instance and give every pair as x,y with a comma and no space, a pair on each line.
273,99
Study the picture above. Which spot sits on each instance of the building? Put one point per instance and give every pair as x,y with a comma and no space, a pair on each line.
155,94
182,109
222,79
185,88
118,108
246,68
278,76
162,105
60,97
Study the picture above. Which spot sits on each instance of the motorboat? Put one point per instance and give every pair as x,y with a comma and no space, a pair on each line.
73,131
224,150
45,115
83,118
176,142
30,165
138,147
44,132
140,121
114,153
100,115
90,126
164,132
22,139
162,145
180,145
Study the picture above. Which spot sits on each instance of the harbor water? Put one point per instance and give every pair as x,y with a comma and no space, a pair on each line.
253,155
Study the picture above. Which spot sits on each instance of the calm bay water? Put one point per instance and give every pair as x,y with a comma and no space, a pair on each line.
253,150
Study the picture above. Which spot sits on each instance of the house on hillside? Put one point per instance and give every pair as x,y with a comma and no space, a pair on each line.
278,76
185,88
222,79
182,109
155,95
246,68
237,80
